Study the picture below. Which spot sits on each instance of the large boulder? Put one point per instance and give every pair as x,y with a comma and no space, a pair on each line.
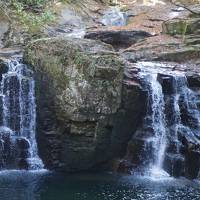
79,106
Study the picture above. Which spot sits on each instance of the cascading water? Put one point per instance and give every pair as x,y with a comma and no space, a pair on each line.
18,148
171,127
183,124
156,117
114,17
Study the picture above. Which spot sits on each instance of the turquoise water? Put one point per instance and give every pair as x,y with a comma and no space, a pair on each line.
43,185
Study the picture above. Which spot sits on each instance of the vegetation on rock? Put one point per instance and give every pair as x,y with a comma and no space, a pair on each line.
84,86
32,14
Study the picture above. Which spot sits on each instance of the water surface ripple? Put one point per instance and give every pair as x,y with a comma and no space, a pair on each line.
44,185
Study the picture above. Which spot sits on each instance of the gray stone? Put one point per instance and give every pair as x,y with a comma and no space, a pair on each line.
84,111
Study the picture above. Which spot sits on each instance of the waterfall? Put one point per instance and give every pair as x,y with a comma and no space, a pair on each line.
158,123
171,127
155,114
114,17
18,118
186,106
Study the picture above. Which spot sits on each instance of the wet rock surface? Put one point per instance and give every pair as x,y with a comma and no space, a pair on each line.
14,152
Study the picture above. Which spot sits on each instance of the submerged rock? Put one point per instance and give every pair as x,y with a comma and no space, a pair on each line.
23,164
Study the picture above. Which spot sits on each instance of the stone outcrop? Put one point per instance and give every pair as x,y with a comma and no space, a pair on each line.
118,38
83,122
178,41
168,50
182,26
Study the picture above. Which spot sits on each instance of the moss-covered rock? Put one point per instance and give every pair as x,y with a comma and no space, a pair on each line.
86,110
87,75
78,91
182,26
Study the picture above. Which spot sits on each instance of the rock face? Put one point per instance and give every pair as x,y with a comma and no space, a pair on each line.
178,41
81,116
168,49
118,38
182,27
4,26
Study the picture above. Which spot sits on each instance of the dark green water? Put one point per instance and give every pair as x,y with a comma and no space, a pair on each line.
51,186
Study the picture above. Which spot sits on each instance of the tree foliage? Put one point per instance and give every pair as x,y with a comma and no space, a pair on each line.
31,14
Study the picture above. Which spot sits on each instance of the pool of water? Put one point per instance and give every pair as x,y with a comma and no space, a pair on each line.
43,185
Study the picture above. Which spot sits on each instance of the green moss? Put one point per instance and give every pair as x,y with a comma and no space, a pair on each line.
32,15
81,59
58,57
52,67
179,28
108,60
